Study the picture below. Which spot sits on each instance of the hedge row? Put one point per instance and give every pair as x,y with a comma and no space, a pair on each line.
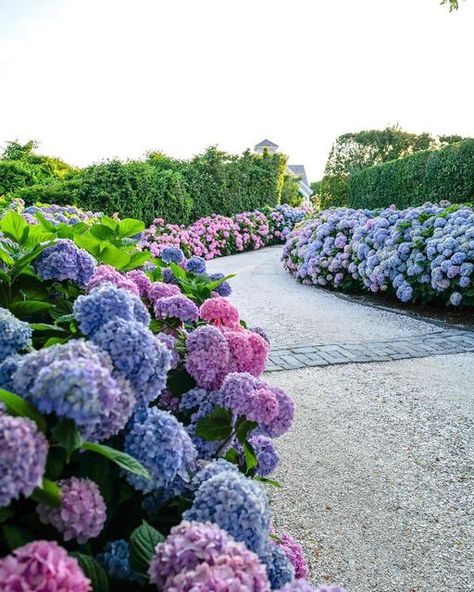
411,181
179,191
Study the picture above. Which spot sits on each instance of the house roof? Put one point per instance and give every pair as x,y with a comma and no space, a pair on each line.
299,171
266,143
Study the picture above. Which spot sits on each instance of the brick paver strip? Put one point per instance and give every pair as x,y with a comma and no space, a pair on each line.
445,341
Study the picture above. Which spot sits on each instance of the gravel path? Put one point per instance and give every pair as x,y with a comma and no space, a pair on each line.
377,471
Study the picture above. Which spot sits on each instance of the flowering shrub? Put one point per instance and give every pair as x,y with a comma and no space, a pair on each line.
52,213
418,254
216,235
136,432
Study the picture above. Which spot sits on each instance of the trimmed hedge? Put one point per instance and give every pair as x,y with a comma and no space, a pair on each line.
179,191
425,176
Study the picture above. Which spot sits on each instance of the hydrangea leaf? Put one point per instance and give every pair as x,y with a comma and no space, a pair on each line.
18,406
122,459
143,541
48,494
94,571
216,426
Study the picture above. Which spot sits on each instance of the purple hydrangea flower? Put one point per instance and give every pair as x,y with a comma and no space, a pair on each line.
15,335
236,504
203,558
7,369
161,290
176,307
294,552
196,265
160,442
107,274
168,276
224,289
261,331
280,570
105,303
169,254
211,468
82,513
65,261
23,450
282,423
44,564
170,342
137,354
266,453
141,280
207,357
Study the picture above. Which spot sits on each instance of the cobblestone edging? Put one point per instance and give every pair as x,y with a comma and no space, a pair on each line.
447,341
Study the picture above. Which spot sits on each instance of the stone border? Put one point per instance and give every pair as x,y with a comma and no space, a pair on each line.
447,341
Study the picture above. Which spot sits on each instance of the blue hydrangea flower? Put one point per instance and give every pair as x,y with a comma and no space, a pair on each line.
238,505
7,369
279,569
210,469
169,254
137,354
455,299
65,261
23,451
105,303
115,560
201,403
196,265
160,442
15,335
225,288
266,453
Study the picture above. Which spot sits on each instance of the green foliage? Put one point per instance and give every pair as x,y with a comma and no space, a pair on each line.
290,193
333,191
316,187
143,541
453,4
426,176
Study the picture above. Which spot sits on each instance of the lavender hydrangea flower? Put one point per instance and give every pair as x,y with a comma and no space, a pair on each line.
196,265
141,280
176,307
203,558
169,254
15,335
105,303
207,357
210,469
455,299
23,450
42,562
137,354
65,261
115,560
160,442
82,513
236,504
106,274
279,569
170,342
261,331
294,552
266,453
7,369
168,276
224,289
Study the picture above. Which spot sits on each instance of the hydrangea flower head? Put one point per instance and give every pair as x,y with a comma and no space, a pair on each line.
82,513
220,312
176,307
23,451
169,254
141,280
65,261
42,561
161,290
108,274
248,351
280,570
294,553
105,303
15,335
160,442
224,289
196,265
207,357
236,504
137,354
115,560
266,453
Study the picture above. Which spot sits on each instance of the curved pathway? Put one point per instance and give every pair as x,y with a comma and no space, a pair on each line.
377,471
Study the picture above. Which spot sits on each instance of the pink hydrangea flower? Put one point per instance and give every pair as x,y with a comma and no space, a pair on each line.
294,552
220,312
161,290
107,273
42,566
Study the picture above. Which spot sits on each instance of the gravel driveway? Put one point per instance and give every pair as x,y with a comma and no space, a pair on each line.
377,472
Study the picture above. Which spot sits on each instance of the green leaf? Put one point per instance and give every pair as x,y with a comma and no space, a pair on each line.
215,284
5,256
177,271
17,406
14,226
110,222
143,541
6,514
48,494
67,436
130,227
243,427
232,456
94,571
267,481
114,256
216,426
102,232
46,327
88,242
250,457
122,459
15,536
27,307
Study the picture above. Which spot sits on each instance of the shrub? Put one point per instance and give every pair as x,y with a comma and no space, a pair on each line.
333,191
15,174
290,193
418,254
425,176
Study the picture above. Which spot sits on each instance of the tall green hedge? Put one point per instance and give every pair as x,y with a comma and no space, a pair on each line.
179,191
425,176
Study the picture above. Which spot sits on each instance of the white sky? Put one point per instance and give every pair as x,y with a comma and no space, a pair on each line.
93,79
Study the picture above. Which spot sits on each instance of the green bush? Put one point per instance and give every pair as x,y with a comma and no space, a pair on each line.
333,191
425,176
290,193
15,174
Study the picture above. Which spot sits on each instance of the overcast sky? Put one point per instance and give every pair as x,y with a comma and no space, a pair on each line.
94,79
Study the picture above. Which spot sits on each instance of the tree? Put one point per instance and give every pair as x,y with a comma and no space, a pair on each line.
453,4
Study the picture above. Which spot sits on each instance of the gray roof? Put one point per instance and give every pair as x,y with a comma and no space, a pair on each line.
264,143
299,171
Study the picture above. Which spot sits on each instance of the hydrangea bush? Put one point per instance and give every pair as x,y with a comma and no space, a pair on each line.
218,235
418,254
137,434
